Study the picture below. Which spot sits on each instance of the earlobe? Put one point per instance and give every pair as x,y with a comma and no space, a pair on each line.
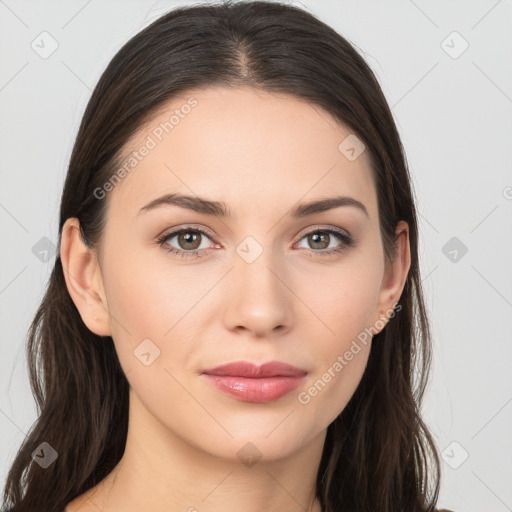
83,278
396,273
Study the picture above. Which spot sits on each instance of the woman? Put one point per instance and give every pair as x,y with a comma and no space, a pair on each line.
235,318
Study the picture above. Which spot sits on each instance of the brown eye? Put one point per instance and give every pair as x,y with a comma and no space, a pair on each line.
319,240
189,240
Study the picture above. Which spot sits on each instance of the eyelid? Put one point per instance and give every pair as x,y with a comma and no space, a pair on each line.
211,234
321,227
176,229
345,238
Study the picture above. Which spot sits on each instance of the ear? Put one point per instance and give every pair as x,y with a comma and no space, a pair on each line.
395,276
83,278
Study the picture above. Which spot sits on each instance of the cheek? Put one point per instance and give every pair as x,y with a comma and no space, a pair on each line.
146,294
346,298
142,304
347,308
151,298
340,357
147,313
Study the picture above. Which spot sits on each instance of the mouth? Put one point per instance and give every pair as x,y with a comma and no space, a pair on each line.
249,382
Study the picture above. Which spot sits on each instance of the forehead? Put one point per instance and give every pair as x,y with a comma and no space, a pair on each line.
249,148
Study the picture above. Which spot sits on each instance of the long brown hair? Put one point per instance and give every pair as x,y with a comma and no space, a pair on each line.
378,453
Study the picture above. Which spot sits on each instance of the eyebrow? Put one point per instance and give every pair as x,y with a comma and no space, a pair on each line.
207,207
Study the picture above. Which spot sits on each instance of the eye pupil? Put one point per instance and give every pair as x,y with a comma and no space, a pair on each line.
187,237
315,238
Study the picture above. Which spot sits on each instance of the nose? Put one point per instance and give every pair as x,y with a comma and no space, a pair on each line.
258,298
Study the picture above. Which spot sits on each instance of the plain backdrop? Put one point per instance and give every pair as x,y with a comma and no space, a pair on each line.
445,68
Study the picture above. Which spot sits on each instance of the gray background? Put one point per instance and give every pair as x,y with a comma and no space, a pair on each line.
453,111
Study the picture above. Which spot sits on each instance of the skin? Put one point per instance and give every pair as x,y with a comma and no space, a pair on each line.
291,304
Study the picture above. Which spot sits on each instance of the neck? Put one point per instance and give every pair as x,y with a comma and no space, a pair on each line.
161,472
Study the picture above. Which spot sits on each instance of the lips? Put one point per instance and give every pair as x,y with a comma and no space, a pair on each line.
246,369
249,382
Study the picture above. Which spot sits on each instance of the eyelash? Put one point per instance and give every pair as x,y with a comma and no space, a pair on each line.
347,242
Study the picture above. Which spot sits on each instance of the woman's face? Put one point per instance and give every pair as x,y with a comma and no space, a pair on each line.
262,284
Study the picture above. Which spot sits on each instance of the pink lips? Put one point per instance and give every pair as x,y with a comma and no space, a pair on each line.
252,383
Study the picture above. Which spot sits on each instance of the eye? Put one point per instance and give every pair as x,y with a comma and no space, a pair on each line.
190,244
321,239
188,240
